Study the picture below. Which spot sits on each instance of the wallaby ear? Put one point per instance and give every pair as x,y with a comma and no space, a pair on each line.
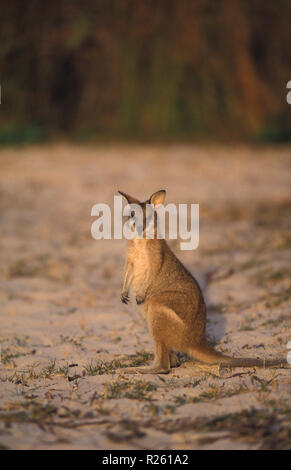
158,197
129,199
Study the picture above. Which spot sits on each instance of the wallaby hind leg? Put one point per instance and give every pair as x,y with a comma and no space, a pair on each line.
161,364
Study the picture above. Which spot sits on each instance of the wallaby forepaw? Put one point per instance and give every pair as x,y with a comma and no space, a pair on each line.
140,299
124,297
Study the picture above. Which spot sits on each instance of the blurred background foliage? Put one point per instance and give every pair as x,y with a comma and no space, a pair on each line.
145,69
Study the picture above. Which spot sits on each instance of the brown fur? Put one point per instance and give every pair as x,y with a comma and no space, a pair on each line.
172,303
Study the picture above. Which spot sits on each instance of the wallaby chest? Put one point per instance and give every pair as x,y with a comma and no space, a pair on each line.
139,259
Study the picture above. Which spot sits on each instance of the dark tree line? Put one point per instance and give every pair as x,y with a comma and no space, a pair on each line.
150,69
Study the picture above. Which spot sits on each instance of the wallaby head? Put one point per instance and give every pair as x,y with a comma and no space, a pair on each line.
148,221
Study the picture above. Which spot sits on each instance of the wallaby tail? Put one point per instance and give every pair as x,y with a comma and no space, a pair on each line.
205,353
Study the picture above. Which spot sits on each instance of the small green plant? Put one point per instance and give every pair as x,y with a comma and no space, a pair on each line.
102,367
140,358
138,390
180,400
215,393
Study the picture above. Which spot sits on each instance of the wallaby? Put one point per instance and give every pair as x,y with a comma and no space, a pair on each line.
171,301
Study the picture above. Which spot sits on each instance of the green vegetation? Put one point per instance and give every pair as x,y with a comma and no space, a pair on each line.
136,390
102,367
105,367
147,70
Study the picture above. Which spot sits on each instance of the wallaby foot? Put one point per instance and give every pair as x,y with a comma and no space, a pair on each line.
145,370
161,364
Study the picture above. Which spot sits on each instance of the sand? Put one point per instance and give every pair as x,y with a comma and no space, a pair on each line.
65,335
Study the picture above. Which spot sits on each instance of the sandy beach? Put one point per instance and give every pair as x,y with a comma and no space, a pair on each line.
65,336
